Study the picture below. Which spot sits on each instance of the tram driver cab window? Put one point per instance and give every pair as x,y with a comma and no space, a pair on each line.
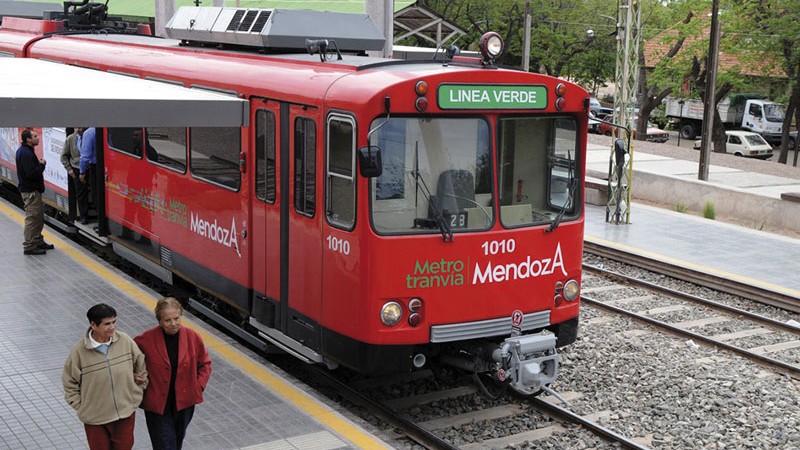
538,171
340,193
436,177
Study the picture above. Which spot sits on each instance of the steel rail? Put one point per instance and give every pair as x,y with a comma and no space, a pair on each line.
719,283
414,432
599,430
781,366
678,295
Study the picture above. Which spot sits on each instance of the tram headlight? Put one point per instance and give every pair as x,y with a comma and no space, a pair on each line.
571,290
491,46
391,313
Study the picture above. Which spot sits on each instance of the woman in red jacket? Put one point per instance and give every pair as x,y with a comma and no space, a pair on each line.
178,367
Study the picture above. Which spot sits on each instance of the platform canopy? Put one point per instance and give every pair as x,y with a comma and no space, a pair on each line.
47,94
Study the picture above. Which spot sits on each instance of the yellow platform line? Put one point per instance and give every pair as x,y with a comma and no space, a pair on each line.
296,397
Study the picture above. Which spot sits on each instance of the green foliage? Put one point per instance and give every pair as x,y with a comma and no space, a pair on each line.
559,42
681,207
709,211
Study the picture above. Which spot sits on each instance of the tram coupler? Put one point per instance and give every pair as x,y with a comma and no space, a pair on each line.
528,363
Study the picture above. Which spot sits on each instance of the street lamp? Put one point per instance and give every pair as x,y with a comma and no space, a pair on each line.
680,115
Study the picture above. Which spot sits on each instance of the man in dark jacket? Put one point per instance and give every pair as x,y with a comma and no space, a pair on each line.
30,172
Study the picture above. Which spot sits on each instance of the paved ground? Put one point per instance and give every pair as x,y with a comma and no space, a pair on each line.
688,156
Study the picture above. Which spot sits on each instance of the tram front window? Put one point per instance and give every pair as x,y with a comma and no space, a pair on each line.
537,169
436,173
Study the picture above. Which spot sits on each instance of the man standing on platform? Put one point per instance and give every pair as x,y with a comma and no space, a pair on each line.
88,162
104,379
30,173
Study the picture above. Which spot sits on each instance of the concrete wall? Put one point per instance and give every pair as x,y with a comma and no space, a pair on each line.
751,210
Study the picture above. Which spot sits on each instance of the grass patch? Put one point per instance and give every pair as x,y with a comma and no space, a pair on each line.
681,207
709,211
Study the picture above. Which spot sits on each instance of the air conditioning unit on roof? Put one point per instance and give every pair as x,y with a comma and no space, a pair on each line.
274,28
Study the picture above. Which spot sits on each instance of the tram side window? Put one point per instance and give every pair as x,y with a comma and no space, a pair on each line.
341,194
165,146
305,139
215,155
265,155
122,140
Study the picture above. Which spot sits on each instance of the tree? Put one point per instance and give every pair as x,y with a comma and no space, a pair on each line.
560,45
772,25
652,93
684,68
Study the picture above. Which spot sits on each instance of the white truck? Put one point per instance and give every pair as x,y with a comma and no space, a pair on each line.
738,112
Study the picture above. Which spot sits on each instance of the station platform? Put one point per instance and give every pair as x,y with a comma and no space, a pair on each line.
737,253
44,299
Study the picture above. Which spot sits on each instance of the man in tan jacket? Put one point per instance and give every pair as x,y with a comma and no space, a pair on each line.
104,379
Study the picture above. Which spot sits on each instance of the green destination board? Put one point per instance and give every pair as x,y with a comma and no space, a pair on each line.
492,96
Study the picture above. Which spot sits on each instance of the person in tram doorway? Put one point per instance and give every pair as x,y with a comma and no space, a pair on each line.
71,160
179,368
88,175
104,379
30,173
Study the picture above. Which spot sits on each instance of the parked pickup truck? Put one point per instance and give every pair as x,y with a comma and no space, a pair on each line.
749,112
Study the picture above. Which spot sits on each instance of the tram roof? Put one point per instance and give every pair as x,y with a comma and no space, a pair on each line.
42,93
147,8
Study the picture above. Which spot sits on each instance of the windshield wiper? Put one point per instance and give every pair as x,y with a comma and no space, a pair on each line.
570,195
441,222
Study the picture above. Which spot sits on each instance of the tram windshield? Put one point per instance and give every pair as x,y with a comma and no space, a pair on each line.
439,173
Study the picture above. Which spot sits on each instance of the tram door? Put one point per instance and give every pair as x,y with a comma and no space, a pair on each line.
301,223
266,227
287,248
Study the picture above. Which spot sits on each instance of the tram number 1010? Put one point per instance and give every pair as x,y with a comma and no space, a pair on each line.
338,245
497,247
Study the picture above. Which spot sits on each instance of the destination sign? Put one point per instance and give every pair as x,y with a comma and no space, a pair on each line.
492,96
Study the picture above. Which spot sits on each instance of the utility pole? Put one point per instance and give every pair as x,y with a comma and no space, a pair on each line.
165,9
709,108
526,41
620,170
381,12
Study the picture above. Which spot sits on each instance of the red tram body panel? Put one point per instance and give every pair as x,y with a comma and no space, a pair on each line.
470,238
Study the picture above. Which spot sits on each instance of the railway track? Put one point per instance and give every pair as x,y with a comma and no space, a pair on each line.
449,415
753,336
713,281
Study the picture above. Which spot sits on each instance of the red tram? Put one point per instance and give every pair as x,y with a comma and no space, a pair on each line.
374,213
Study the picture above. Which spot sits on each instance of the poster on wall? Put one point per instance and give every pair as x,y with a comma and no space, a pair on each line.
9,142
51,143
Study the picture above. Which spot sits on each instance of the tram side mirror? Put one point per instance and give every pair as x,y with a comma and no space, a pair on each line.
369,161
